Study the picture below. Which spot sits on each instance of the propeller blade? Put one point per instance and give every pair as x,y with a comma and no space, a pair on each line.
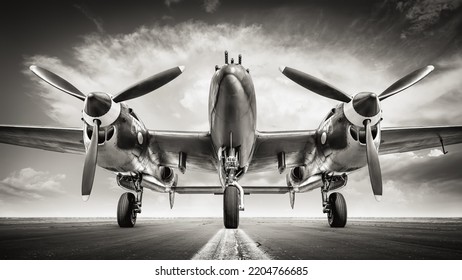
375,174
89,166
407,81
314,84
149,84
56,81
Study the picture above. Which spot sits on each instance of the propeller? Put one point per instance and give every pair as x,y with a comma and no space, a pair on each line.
97,105
407,81
149,84
324,89
373,163
89,166
365,110
56,81
314,84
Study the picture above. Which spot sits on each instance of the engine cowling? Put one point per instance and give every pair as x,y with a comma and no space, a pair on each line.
127,181
164,182
341,140
336,182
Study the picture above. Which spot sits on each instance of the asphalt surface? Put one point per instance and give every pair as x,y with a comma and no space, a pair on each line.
206,239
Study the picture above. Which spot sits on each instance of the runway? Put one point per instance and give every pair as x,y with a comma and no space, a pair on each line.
257,238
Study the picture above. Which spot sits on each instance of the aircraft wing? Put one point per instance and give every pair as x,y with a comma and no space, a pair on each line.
63,140
197,146
219,190
295,145
406,139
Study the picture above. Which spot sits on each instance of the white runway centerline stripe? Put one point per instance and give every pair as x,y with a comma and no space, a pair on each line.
230,244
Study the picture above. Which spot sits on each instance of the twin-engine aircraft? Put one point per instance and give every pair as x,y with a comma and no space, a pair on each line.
350,137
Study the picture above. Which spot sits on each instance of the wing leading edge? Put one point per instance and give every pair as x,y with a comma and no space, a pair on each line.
407,139
295,145
202,157
63,140
196,145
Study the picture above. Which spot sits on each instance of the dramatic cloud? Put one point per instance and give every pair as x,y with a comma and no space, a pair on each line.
413,183
353,56
434,101
111,63
31,184
435,153
211,6
425,14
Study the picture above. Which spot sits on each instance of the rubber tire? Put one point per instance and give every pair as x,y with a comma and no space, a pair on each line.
338,215
126,217
231,207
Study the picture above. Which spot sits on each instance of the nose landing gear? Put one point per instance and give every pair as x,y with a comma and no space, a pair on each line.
231,207
233,193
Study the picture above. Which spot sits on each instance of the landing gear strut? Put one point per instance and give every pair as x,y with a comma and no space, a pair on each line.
129,206
233,193
334,205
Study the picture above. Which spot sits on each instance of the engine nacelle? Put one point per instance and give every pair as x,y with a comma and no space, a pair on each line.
128,182
341,143
336,182
168,180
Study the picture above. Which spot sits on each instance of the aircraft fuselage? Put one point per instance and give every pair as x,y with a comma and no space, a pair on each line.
232,111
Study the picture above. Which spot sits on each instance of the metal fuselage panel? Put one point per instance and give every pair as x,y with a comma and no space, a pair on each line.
232,111
342,150
126,148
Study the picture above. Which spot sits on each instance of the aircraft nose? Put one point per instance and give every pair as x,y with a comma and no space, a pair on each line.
234,97
366,104
234,70
231,86
97,104
235,80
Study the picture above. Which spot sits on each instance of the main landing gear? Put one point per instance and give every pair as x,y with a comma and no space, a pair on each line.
334,205
129,206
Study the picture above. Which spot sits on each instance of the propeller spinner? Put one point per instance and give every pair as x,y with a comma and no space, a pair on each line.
100,109
363,110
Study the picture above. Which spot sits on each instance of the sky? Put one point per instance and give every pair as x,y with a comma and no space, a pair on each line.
107,46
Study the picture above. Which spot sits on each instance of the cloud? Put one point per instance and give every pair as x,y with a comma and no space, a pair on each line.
425,169
168,3
96,20
28,183
211,6
111,63
433,101
435,153
423,15
61,107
